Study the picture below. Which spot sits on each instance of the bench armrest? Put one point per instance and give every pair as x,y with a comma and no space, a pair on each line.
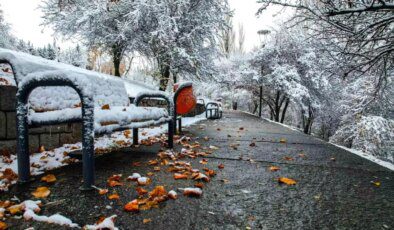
143,95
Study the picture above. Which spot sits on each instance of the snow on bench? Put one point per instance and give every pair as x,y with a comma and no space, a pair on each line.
105,88
104,106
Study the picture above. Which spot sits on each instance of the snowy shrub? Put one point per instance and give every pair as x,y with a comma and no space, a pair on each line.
369,134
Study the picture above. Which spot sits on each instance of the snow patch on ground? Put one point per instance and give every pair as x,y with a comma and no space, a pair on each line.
56,158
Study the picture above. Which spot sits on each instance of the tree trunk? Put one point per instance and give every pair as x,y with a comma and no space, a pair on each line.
165,76
117,54
284,110
277,107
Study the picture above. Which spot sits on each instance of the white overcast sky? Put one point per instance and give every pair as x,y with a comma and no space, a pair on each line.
25,20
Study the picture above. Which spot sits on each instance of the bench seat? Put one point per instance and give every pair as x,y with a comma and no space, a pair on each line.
106,121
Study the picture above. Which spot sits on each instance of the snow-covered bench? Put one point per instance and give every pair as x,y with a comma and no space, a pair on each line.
213,110
98,114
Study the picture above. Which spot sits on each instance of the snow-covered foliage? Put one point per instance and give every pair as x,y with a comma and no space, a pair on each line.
369,134
181,36
6,39
76,56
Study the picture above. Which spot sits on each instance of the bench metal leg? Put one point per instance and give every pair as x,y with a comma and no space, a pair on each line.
22,147
180,125
135,136
87,148
170,140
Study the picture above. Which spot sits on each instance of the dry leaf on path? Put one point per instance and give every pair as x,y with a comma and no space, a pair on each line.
145,221
3,225
288,181
196,192
103,191
180,176
50,178
132,206
274,168
41,192
114,197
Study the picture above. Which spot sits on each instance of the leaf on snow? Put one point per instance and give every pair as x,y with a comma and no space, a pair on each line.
283,140
105,107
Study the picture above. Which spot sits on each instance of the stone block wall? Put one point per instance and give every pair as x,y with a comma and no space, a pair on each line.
51,136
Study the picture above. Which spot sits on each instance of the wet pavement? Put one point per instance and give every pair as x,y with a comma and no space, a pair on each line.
334,188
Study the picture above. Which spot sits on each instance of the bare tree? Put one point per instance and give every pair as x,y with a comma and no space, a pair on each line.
241,38
228,38
359,32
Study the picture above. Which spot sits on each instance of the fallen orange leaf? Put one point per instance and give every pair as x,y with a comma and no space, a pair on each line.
204,161
274,168
9,174
103,191
153,162
41,149
145,221
132,206
179,176
114,183
158,191
283,140
192,192
15,209
199,185
105,107
127,133
114,197
156,169
287,181
41,192
50,178
221,166
3,225
141,191
288,158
